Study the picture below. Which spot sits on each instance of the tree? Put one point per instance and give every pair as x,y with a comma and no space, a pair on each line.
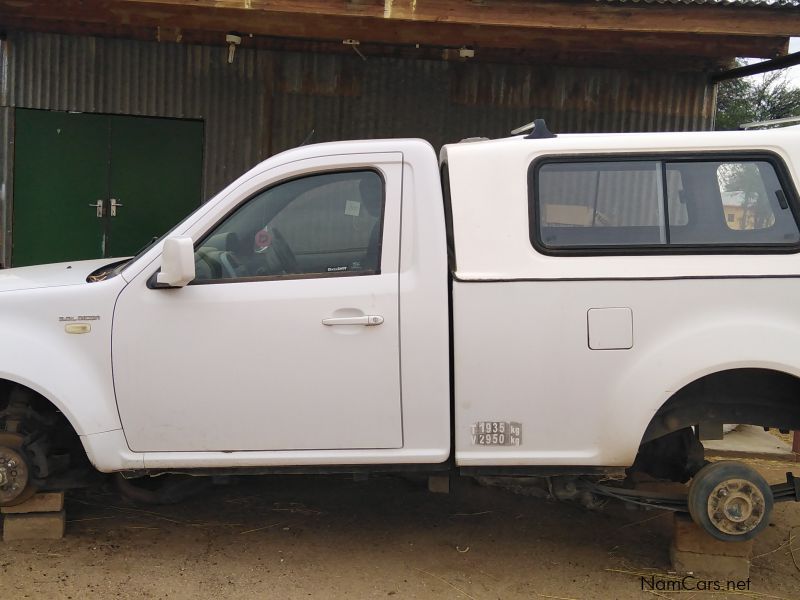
762,98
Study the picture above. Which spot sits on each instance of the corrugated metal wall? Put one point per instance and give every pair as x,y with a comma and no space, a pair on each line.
269,101
6,140
6,181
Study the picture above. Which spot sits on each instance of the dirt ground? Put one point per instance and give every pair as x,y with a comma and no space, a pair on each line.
332,537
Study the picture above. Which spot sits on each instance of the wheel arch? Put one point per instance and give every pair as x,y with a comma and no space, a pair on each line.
9,383
50,439
768,396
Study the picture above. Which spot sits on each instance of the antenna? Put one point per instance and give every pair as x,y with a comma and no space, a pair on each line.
308,138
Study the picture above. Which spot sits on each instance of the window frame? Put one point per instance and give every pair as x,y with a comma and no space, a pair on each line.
775,160
293,276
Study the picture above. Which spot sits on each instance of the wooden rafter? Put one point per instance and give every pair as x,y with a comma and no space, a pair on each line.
575,26
588,16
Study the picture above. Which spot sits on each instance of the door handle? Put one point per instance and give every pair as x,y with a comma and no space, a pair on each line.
99,206
114,204
365,320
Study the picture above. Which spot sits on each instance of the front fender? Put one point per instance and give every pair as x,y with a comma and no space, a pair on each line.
72,371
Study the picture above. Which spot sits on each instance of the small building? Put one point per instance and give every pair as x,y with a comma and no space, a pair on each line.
118,117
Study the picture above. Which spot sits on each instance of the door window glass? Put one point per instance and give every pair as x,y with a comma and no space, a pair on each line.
319,225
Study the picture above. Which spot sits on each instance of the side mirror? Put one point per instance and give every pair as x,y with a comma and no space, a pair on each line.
177,262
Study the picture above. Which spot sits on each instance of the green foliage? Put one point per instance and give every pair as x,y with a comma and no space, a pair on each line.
761,98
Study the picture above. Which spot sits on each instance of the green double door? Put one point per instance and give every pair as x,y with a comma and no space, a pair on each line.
92,186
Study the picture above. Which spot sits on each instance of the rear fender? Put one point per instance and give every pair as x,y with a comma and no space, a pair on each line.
683,358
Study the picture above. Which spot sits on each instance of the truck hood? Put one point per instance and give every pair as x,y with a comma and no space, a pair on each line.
54,275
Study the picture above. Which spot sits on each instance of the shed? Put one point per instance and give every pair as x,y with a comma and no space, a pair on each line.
118,117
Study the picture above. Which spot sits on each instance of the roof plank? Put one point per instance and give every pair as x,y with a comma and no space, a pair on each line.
545,14
545,27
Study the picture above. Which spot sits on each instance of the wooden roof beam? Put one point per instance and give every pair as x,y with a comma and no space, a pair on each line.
547,14
524,14
396,23
629,50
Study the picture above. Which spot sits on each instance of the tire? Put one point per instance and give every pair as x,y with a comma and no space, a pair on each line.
730,500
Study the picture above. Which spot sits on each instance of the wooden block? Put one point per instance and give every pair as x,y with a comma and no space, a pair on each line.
732,568
41,502
689,537
439,484
34,526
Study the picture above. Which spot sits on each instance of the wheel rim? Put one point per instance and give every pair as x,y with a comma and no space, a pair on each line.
736,506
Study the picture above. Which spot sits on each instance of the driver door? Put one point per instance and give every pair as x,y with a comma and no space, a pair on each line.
289,337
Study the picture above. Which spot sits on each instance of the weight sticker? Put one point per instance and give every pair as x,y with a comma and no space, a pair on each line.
496,433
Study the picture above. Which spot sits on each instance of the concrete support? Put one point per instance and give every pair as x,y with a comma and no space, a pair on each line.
41,517
695,551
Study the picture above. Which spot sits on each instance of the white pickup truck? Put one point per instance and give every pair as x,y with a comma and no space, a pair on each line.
571,306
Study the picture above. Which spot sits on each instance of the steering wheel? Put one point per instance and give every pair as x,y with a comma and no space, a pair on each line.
284,252
231,267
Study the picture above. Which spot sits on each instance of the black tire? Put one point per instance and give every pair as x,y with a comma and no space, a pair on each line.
730,500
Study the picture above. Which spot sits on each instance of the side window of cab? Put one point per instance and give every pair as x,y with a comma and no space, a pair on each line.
321,225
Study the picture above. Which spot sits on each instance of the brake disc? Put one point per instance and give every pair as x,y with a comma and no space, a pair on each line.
15,485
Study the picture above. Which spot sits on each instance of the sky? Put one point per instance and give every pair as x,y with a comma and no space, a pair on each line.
794,72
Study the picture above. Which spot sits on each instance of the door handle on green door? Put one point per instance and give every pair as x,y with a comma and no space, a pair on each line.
366,320
114,204
99,206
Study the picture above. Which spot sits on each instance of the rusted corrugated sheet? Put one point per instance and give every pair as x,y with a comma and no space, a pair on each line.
589,100
268,101
398,98
6,151
444,102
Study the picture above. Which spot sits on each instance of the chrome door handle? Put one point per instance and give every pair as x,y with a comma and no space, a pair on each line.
114,205
365,320
99,206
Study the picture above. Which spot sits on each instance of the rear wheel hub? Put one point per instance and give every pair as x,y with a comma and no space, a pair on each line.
736,506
